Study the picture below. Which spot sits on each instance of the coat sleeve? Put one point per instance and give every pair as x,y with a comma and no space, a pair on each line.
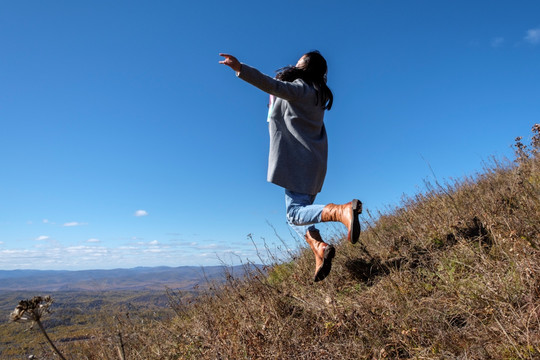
289,91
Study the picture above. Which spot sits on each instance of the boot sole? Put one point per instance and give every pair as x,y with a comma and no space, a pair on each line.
356,209
326,266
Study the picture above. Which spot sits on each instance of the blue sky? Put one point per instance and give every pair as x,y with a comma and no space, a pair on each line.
124,143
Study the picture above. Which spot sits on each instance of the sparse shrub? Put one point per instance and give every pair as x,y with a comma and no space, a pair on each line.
280,272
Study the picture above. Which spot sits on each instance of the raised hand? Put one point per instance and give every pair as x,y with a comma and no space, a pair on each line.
231,62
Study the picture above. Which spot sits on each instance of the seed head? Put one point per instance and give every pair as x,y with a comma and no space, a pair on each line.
32,309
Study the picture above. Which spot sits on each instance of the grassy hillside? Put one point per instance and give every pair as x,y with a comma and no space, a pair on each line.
452,273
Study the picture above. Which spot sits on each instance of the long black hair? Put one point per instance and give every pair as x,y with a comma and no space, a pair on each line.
312,71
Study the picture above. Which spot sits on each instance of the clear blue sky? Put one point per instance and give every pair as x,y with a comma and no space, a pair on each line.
110,110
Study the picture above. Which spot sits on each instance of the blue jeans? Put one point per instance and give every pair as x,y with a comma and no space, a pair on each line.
301,213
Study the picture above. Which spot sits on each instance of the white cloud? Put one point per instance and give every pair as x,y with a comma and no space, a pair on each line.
1,242
497,42
153,242
93,240
74,223
533,36
42,237
45,221
139,213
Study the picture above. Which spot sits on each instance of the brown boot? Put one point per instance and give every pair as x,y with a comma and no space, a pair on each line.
324,253
346,214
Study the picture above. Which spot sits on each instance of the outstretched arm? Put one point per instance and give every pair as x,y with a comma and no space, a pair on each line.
281,89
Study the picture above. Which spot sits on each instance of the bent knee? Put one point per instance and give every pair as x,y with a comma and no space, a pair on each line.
291,215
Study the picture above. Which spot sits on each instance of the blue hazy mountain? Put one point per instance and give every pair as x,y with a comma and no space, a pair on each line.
139,278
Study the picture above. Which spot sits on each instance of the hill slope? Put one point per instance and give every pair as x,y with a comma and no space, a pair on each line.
453,273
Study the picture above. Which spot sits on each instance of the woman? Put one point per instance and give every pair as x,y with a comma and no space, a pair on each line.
299,149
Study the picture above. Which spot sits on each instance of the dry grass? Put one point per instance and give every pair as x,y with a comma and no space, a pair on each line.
454,273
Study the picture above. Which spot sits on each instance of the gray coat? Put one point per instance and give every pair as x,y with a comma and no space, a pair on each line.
298,143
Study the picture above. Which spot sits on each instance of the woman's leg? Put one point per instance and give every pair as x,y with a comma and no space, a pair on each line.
301,213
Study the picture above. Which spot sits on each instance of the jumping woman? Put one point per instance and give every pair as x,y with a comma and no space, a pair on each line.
299,149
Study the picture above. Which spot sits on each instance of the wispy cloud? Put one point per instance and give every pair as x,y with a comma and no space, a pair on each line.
14,251
45,221
93,240
74,223
208,246
153,250
42,237
140,213
533,36
154,242
497,42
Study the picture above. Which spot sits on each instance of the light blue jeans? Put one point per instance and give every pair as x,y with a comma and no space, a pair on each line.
301,213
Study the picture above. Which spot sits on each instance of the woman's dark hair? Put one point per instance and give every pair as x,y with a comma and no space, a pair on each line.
313,71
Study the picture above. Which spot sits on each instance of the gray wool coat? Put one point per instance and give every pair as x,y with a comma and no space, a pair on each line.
298,143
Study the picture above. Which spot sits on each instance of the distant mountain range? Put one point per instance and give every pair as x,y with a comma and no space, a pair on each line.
139,278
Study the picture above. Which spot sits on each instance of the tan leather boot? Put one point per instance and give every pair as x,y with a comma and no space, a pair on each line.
346,214
324,253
